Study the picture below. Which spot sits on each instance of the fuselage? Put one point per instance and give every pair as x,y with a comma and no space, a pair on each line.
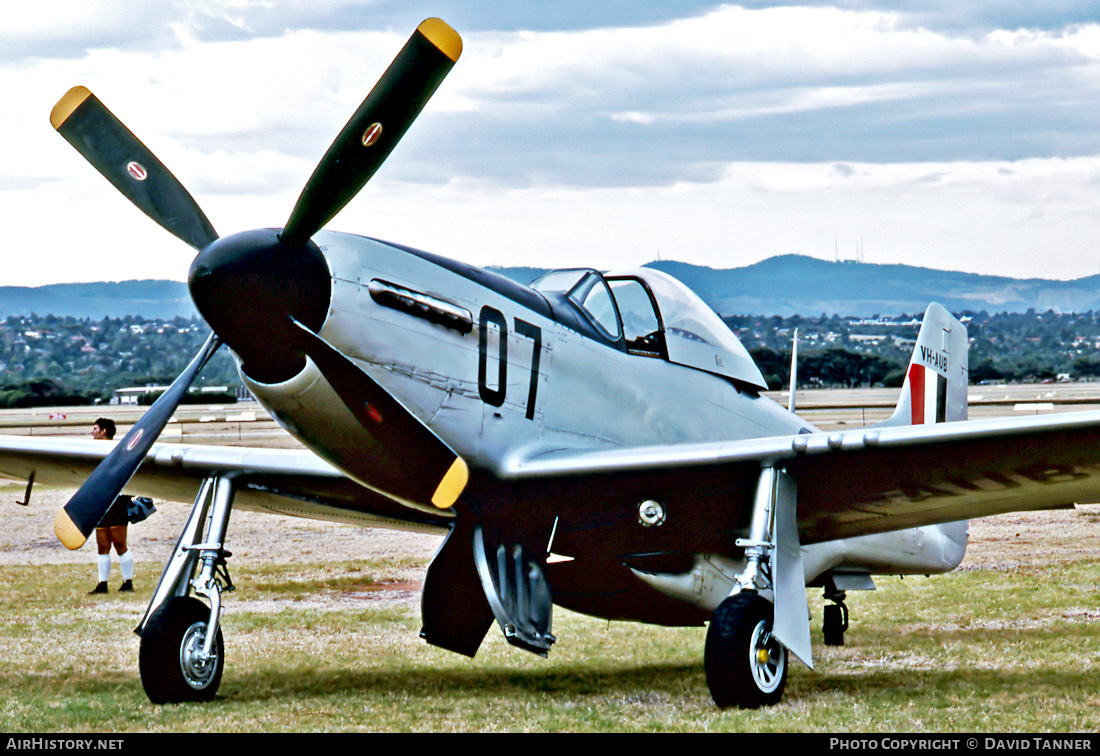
499,370
505,376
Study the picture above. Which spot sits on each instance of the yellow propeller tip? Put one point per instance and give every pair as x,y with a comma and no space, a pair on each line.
69,102
452,485
67,532
440,34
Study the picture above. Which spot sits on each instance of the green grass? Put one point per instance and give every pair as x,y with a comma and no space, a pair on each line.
979,651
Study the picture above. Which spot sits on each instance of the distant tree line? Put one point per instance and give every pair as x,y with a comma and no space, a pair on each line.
837,368
847,351
54,361
49,360
39,393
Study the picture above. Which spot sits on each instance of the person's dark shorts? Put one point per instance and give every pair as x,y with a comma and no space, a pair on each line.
116,515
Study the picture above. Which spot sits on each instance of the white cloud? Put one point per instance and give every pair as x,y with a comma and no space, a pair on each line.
1027,218
719,138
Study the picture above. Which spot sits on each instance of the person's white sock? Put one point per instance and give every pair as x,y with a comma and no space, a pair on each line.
103,564
126,564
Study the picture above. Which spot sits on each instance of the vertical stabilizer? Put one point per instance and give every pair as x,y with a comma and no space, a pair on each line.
935,388
935,391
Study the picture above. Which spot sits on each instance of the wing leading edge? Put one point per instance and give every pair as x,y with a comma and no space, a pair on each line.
279,481
862,481
850,483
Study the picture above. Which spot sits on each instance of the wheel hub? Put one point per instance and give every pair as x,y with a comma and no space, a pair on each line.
197,668
769,658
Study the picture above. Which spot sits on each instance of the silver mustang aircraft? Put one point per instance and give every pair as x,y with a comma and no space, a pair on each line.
596,440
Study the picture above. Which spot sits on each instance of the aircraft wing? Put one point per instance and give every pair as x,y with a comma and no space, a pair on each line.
854,482
280,481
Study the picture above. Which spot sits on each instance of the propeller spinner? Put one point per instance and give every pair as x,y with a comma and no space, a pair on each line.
266,293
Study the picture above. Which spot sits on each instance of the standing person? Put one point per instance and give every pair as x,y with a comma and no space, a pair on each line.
111,530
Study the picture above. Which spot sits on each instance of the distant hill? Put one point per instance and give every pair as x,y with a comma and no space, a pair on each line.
785,285
794,284
150,299
799,285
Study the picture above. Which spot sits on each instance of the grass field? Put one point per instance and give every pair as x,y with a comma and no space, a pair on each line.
311,648
322,635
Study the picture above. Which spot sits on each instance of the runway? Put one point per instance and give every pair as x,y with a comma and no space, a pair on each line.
833,409
248,424
241,424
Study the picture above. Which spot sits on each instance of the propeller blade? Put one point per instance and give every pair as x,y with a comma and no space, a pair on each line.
75,522
435,473
114,151
375,129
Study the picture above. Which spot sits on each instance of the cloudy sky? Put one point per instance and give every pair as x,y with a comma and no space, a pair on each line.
952,135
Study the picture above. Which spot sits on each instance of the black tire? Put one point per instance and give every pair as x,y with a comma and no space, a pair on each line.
736,674
170,671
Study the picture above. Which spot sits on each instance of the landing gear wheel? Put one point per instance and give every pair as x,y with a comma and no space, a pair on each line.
173,669
745,665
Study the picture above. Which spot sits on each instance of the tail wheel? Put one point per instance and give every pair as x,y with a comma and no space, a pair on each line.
745,665
835,623
173,667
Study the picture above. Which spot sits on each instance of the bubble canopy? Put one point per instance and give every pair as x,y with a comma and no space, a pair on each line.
685,330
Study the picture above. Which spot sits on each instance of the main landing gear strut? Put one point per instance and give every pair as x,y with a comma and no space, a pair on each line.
765,619
182,655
